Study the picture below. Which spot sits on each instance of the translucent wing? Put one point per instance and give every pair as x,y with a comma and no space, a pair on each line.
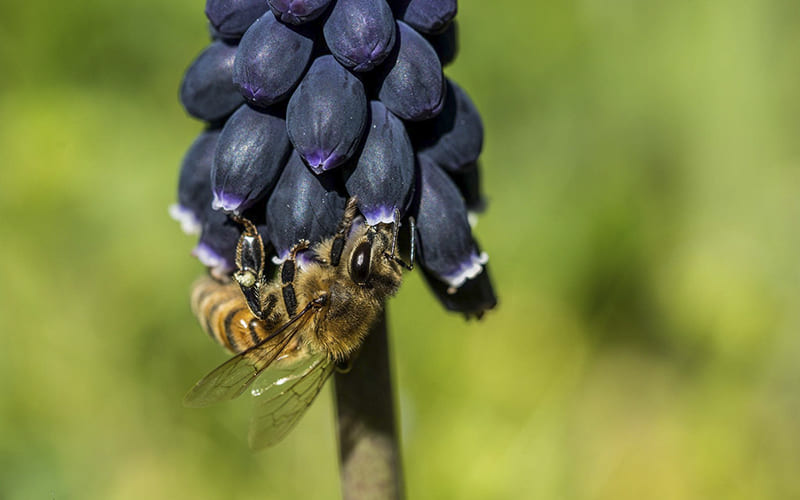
230,379
283,395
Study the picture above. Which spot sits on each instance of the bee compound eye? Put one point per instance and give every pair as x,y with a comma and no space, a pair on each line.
359,262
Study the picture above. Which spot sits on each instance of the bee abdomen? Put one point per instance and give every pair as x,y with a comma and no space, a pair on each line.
225,316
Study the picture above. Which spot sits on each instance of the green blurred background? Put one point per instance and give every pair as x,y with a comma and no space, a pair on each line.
641,162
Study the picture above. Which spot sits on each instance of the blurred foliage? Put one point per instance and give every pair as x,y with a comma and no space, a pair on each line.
642,168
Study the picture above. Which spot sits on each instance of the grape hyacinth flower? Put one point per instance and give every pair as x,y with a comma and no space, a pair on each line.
310,102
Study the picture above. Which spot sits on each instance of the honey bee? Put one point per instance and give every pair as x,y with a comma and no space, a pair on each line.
290,333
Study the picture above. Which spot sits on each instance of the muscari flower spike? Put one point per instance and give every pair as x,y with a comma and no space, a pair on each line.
310,102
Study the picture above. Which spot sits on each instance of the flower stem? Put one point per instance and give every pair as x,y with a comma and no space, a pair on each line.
370,466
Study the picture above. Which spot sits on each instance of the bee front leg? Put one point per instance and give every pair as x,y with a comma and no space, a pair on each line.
337,246
392,255
287,277
249,272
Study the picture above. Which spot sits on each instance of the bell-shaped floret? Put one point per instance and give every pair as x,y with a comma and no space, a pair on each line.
251,152
360,33
411,84
426,16
454,139
207,91
298,11
231,18
271,59
194,183
303,206
445,246
327,115
473,298
382,177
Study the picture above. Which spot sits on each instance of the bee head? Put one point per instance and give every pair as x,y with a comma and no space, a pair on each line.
369,256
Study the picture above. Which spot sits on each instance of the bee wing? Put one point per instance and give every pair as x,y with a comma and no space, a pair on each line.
231,378
285,396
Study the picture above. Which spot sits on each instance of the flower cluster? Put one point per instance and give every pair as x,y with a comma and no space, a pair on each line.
309,102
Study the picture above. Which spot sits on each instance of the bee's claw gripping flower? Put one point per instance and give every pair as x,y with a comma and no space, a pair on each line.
207,92
303,206
310,102
454,139
231,18
271,60
251,152
327,115
194,183
298,11
426,16
383,176
412,84
360,33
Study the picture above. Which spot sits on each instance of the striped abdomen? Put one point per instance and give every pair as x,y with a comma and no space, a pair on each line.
224,315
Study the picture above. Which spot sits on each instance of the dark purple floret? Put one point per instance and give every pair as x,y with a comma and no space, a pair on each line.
445,43
426,16
473,298
298,11
327,115
468,180
453,139
360,33
251,152
303,206
444,245
231,18
412,84
207,91
194,183
383,175
271,60
217,246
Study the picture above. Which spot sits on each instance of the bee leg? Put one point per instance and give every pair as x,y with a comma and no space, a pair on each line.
249,272
287,277
350,212
395,232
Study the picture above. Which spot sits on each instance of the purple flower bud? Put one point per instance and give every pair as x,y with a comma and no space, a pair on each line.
445,245
360,33
327,115
412,84
383,176
271,59
303,206
426,16
194,183
453,139
298,11
473,298
445,43
207,91
231,18
251,152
